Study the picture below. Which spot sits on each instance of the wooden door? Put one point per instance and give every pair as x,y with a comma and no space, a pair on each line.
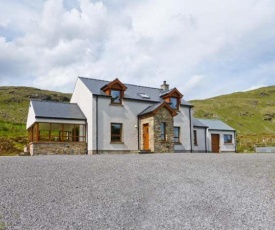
146,137
215,140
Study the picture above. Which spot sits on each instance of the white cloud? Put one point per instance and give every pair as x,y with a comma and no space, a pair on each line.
254,87
204,49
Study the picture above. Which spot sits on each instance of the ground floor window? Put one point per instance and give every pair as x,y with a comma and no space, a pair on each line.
195,137
163,131
116,132
57,132
176,134
227,138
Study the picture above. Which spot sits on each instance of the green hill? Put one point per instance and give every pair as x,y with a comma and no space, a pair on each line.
14,103
251,113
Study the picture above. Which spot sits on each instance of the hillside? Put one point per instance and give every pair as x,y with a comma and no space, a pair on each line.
251,113
248,112
14,103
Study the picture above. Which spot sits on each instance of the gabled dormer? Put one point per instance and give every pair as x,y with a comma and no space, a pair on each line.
115,89
172,96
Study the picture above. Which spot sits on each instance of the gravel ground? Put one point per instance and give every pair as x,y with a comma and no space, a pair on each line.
156,191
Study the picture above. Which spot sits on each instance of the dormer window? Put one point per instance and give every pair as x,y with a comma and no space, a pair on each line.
172,97
116,96
174,103
115,89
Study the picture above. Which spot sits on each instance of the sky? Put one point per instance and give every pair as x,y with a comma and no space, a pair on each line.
205,48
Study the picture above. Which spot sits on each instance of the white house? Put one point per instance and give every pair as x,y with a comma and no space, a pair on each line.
112,117
213,136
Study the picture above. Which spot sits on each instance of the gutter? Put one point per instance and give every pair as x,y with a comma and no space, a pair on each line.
235,141
206,140
138,133
96,124
190,122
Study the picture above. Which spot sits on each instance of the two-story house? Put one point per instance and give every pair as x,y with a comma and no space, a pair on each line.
112,117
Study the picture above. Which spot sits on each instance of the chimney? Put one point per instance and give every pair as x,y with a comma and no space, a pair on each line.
164,86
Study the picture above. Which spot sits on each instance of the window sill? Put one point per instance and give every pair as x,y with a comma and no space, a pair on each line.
116,142
116,104
228,143
177,143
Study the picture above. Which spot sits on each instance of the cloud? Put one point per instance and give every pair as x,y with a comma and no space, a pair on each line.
255,87
204,50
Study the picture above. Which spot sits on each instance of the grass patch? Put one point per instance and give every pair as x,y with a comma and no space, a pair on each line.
14,104
3,226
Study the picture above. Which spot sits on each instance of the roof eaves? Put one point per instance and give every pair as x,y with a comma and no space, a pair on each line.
62,118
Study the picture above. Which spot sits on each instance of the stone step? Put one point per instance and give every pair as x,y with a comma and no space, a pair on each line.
144,151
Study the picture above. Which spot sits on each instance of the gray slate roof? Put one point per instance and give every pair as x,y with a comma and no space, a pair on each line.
58,110
132,92
150,108
197,123
216,124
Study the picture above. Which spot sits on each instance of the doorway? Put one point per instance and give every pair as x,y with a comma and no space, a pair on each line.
215,140
146,145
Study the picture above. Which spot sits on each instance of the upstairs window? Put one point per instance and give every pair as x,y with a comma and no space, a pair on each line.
173,98
163,131
116,90
227,138
174,103
116,96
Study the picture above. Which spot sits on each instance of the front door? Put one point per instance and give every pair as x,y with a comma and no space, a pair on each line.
146,137
215,140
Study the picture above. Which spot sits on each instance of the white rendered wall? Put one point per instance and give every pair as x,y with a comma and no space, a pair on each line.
200,147
224,147
125,114
84,98
31,116
182,120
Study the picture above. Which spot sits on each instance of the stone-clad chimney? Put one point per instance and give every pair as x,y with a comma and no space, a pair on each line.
164,86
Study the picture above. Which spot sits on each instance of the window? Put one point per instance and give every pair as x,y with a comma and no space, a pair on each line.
143,95
57,132
44,131
174,103
227,138
195,137
116,96
177,134
163,131
116,132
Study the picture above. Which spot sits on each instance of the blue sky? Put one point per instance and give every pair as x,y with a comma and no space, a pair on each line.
204,48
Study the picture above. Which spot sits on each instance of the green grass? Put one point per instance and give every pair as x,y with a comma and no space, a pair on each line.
251,113
14,104
247,112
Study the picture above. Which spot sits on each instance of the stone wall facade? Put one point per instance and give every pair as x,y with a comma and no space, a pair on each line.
58,148
156,144
167,146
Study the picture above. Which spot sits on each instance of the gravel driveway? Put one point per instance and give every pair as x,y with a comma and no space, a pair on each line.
156,191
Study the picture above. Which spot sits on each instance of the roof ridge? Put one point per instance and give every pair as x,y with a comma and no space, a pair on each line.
57,102
88,78
122,82
209,119
143,86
